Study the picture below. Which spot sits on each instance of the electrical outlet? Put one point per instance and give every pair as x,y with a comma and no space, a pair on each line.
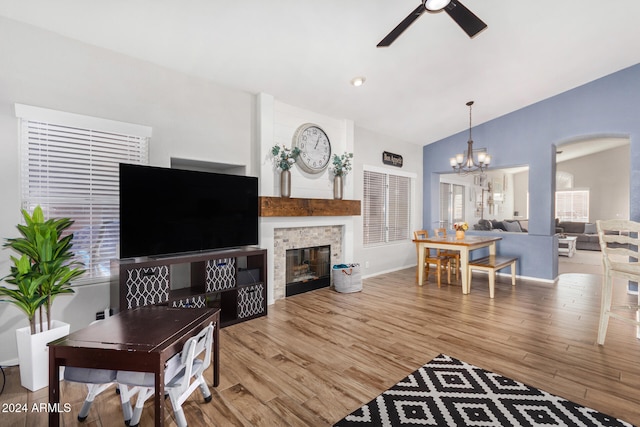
366,264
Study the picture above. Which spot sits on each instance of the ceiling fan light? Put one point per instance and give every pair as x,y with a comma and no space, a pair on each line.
435,5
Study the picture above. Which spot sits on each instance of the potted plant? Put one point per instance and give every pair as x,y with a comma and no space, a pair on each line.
460,228
284,158
340,166
43,270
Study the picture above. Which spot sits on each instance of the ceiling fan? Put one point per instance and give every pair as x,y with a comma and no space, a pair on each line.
469,22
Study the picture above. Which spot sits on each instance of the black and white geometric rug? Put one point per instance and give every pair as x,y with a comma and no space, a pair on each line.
449,392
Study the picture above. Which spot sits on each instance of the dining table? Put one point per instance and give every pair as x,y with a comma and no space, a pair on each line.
451,243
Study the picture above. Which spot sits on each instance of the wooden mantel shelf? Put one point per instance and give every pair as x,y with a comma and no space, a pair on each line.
283,206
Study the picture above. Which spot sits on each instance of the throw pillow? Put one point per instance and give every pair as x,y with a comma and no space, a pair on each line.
513,226
590,229
499,225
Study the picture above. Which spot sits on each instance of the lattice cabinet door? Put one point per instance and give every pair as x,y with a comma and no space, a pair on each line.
251,300
221,274
146,286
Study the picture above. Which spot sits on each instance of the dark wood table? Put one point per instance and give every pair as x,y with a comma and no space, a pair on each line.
140,340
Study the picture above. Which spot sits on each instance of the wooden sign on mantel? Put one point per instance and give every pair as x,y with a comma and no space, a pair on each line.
289,206
391,159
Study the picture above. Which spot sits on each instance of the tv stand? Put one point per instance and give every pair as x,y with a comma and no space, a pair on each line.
233,280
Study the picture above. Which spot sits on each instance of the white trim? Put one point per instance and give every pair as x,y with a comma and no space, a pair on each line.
389,171
46,115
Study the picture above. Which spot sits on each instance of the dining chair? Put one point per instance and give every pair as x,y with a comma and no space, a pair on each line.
452,255
183,374
619,241
439,261
97,381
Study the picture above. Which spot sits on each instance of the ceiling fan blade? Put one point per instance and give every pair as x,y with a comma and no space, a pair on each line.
395,33
469,22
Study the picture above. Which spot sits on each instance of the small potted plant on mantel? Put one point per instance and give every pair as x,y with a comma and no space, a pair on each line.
284,158
340,166
43,270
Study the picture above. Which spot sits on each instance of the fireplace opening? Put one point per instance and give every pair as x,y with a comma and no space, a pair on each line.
307,269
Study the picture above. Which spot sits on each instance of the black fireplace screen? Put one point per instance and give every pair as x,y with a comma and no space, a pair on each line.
307,269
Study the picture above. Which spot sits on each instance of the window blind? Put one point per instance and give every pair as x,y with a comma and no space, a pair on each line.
458,203
72,171
398,218
452,204
445,204
386,207
572,205
374,207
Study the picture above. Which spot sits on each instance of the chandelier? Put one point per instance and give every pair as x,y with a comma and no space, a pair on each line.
465,163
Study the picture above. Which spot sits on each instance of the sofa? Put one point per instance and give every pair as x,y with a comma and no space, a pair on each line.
513,226
585,232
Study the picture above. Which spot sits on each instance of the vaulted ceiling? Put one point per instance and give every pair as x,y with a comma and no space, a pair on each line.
306,52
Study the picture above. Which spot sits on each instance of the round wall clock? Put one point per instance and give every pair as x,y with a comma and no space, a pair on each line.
315,148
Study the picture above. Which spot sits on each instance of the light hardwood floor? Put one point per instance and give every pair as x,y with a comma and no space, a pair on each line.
320,355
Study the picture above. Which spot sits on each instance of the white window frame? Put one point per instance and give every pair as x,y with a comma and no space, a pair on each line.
69,166
573,196
387,235
452,200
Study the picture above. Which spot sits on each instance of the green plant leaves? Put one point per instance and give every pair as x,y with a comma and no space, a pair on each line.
45,268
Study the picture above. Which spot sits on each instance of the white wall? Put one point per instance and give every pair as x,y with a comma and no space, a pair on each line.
191,119
369,147
277,123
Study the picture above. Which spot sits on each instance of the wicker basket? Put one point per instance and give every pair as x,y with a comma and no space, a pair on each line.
347,278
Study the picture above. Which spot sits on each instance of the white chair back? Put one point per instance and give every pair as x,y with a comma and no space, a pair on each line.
619,243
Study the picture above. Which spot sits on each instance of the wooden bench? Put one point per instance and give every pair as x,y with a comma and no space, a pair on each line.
491,264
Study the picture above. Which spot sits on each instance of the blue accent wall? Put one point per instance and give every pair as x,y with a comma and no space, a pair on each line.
608,106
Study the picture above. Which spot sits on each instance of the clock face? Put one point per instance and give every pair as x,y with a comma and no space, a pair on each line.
315,148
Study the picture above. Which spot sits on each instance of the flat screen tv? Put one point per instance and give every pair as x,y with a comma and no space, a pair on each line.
167,211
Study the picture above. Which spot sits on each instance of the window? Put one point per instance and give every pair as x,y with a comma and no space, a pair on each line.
386,206
452,206
69,167
572,205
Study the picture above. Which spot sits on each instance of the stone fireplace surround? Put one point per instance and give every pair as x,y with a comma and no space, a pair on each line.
302,237
281,233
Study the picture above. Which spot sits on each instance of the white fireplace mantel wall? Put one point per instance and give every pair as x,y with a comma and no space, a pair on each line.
276,124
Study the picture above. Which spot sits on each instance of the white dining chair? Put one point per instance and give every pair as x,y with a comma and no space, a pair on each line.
619,241
183,374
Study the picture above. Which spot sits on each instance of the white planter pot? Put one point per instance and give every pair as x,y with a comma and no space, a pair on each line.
33,353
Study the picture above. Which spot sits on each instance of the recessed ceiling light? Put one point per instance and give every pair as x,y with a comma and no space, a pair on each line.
358,81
